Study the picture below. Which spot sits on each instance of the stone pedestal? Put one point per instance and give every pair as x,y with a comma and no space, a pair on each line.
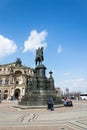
40,89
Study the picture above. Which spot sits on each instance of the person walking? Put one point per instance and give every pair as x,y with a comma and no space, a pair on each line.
51,103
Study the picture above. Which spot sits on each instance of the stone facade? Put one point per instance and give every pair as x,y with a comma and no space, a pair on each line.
13,80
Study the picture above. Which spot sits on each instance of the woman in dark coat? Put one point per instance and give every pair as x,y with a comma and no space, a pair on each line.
51,103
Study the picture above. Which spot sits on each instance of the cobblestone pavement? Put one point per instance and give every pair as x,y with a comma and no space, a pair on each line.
62,118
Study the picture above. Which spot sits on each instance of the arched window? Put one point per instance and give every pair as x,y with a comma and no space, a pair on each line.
0,81
6,91
7,81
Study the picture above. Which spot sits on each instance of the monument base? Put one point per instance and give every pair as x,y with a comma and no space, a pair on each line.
40,98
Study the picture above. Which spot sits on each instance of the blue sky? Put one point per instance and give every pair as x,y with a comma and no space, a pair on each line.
60,26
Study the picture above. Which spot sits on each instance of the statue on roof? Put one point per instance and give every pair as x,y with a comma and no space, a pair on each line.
18,62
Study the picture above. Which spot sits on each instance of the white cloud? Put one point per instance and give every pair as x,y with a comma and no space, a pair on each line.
60,49
75,85
7,46
35,40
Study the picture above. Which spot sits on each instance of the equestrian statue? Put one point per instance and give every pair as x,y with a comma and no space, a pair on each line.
39,56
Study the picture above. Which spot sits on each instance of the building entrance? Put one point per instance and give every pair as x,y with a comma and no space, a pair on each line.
17,93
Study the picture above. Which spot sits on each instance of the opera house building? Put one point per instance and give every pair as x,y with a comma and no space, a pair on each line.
13,79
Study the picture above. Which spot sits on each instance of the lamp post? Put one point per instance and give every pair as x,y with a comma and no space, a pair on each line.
50,74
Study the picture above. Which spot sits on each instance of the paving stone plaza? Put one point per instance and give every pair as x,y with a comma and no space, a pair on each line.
62,118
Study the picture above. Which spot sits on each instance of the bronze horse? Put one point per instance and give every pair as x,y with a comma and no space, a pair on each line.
39,56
